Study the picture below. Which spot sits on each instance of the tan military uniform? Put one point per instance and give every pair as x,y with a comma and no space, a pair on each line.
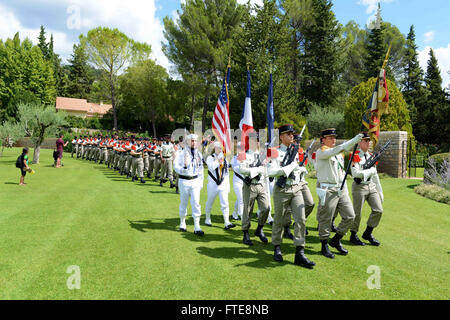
289,197
330,175
255,191
167,151
369,189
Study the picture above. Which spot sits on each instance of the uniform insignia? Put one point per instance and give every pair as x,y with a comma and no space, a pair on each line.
323,148
356,157
314,156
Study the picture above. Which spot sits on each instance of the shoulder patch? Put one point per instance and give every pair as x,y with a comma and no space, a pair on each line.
323,148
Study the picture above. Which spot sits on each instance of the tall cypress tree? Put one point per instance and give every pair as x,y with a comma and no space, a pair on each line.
433,115
376,48
413,90
43,45
320,59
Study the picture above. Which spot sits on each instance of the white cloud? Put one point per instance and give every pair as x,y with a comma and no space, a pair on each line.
372,5
429,36
10,25
443,57
136,18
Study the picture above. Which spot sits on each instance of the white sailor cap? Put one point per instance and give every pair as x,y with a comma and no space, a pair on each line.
192,136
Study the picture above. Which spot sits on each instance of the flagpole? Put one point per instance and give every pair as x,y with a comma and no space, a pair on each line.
362,126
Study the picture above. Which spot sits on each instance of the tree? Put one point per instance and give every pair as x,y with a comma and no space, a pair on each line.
200,41
24,76
10,132
43,45
412,82
38,122
111,50
433,113
79,79
320,57
397,119
143,88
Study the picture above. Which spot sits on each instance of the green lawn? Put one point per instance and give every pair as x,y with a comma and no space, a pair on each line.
124,238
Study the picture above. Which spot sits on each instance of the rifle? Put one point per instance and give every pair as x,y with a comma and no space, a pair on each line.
290,155
306,153
373,160
258,163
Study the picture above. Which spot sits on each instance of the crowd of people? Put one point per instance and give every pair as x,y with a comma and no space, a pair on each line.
259,175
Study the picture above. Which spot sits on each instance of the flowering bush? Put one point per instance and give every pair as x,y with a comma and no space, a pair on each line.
437,170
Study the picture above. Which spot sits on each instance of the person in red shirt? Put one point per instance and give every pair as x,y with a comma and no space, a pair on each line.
59,149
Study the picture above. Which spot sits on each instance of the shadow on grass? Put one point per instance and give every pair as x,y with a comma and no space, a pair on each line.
412,186
12,183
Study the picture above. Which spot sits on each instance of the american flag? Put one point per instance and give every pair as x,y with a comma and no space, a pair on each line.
221,117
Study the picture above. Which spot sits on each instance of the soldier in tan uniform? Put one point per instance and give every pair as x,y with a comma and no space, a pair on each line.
366,187
167,155
254,172
330,175
287,194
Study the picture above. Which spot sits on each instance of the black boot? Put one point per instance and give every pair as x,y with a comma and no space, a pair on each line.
287,233
176,190
259,233
335,242
172,185
160,183
142,180
247,239
355,240
133,179
301,259
367,235
325,250
149,176
277,255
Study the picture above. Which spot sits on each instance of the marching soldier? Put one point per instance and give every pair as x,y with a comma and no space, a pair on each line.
288,194
157,163
366,187
151,159
79,143
218,185
330,175
167,152
137,166
74,146
189,167
253,169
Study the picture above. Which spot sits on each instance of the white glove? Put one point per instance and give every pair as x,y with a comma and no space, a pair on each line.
300,169
358,138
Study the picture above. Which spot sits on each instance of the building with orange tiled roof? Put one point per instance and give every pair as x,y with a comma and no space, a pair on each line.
81,108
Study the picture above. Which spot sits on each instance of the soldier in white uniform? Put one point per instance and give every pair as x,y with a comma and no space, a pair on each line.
254,189
330,175
188,165
366,187
288,197
218,185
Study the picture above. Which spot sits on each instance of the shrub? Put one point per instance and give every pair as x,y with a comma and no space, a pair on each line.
437,170
323,118
433,192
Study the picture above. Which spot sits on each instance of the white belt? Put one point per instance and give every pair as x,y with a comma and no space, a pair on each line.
329,185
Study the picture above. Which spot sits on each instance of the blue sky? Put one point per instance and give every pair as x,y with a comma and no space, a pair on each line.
142,20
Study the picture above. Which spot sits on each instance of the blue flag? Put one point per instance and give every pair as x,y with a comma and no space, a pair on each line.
270,115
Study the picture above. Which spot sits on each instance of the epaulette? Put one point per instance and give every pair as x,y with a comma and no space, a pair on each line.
356,157
323,148
313,156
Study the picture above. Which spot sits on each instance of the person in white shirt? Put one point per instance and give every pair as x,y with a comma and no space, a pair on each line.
218,185
188,165
366,187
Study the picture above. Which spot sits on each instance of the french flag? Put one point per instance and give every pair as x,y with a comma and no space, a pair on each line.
246,123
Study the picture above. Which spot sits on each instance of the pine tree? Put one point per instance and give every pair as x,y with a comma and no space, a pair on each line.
79,78
376,48
433,117
43,45
322,51
413,90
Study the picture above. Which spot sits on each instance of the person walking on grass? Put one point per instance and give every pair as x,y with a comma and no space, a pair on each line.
23,166
59,149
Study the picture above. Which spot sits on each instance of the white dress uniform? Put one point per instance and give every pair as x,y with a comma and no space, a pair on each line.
218,185
188,165
238,183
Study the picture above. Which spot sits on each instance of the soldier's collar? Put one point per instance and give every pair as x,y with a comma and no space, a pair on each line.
283,147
